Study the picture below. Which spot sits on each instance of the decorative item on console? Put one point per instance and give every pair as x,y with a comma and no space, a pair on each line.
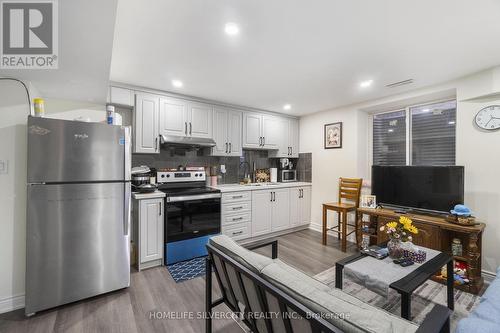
461,214
460,273
369,201
400,236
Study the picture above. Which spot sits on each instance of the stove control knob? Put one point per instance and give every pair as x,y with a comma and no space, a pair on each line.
168,176
196,175
162,176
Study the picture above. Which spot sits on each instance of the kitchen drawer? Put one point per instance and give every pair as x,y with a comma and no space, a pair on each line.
231,219
238,231
236,196
236,207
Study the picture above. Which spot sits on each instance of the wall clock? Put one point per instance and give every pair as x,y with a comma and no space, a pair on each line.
488,118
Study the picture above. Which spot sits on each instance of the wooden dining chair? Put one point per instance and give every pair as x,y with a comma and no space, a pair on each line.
349,190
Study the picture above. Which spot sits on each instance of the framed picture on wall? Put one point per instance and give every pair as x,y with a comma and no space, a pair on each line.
333,135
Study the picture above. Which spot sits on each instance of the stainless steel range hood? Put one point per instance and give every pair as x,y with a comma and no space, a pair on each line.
181,141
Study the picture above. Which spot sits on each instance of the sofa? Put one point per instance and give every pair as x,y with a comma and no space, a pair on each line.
486,316
270,296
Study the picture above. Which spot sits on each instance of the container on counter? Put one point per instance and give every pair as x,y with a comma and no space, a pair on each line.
110,114
39,107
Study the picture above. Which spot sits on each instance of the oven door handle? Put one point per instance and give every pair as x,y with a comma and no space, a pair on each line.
194,197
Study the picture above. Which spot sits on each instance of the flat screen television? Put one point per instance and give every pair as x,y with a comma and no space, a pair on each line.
426,188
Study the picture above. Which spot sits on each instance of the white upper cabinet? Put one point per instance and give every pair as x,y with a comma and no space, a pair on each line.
200,120
293,137
173,117
182,118
235,124
273,130
288,146
252,130
227,132
263,131
146,136
121,96
220,132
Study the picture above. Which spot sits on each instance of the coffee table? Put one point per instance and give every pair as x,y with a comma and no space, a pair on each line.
404,281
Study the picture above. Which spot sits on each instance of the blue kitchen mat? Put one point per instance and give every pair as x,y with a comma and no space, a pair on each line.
187,270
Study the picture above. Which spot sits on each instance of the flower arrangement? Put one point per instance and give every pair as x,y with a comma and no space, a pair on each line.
401,230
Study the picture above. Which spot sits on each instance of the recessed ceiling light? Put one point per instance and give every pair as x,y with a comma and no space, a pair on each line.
231,29
451,122
426,110
390,130
177,83
287,107
366,83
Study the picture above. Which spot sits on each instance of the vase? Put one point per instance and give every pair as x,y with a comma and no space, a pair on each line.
394,246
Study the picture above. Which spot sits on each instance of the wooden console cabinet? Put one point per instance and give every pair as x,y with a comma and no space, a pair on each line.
434,232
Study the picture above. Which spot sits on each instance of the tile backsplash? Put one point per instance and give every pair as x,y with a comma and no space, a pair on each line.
236,167
304,167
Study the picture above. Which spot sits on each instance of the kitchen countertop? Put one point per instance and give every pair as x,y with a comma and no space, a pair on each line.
265,186
153,195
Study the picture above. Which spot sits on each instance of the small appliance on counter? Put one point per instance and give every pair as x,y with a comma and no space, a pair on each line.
287,173
192,212
141,176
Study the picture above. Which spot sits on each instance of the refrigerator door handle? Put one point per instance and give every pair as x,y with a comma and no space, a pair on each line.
128,151
127,209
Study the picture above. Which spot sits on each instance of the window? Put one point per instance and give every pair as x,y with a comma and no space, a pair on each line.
416,135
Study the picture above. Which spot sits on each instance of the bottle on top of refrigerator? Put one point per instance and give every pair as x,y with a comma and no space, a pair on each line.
39,107
110,114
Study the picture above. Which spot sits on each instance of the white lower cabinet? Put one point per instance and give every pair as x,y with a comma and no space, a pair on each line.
257,213
300,206
280,219
149,216
261,212
236,214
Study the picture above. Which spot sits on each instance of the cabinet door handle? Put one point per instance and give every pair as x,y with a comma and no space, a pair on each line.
237,196
263,141
226,147
260,141
271,196
274,196
237,233
230,148
156,144
291,151
186,128
238,208
190,128
237,218
160,208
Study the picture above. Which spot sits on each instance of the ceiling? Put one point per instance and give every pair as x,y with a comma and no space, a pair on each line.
312,55
86,30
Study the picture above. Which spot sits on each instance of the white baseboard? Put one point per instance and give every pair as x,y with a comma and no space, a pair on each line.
12,303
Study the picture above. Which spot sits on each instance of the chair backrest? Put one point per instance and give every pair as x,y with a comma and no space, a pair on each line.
350,189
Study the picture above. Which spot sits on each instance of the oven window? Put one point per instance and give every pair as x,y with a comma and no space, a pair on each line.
190,219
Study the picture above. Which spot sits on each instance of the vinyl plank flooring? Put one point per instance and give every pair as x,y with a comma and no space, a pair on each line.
153,290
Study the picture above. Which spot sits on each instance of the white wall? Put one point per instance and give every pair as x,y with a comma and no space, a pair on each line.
476,150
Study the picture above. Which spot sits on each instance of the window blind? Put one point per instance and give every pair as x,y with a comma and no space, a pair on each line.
389,138
433,134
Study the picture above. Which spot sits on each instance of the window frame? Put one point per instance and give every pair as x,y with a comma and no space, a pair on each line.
408,123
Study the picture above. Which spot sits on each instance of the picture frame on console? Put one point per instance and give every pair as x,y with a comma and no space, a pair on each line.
368,201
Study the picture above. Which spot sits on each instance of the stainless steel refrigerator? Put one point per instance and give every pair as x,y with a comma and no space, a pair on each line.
78,216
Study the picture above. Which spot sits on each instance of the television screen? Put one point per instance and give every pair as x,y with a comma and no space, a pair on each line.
433,188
